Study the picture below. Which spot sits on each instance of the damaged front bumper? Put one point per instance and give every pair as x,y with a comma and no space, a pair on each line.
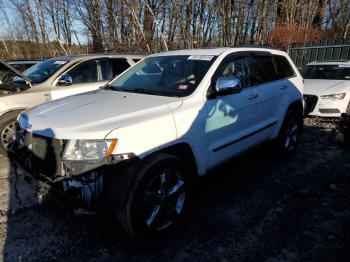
82,185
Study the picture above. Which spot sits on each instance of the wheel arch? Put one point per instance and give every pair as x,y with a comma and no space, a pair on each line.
298,106
8,112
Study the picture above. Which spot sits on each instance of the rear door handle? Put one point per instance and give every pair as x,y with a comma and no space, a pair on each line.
252,96
283,87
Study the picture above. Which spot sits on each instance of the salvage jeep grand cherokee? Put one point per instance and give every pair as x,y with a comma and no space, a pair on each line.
133,146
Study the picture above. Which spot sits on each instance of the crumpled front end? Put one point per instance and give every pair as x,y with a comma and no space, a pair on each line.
80,184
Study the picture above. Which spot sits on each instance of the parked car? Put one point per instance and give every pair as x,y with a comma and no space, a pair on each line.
22,65
327,85
133,146
52,79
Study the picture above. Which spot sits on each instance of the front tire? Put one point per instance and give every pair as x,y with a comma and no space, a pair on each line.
158,197
8,128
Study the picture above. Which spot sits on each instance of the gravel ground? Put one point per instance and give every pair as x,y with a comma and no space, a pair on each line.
257,207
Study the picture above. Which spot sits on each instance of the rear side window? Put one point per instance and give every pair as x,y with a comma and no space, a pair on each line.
117,66
262,70
284,69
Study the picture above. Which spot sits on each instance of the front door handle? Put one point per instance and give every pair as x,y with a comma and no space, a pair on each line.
283,87
252,96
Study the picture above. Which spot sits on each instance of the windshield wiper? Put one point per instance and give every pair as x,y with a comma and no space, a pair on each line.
131,90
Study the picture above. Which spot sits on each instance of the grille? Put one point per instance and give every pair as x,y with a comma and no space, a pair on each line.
45,154
329,111
310,103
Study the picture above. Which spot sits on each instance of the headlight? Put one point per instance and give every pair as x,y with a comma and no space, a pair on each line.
89,149
334,96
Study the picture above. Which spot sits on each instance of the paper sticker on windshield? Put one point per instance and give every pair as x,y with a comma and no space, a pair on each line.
182,86
60,62
344,65
200,57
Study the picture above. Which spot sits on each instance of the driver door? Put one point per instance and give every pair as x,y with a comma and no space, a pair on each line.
87,76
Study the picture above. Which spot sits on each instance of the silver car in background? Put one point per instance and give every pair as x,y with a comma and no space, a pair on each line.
52,79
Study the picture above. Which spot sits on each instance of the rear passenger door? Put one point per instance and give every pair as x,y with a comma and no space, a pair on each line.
264,79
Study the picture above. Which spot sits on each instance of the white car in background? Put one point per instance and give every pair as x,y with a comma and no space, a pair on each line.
327,88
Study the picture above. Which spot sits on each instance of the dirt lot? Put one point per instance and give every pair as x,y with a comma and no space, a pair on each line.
255,208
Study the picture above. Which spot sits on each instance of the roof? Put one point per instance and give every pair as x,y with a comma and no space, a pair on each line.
328,62
99,55
216,51
20,62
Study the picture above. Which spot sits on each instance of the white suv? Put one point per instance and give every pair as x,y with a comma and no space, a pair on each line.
134,146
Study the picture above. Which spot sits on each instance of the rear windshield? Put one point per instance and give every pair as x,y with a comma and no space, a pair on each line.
331,72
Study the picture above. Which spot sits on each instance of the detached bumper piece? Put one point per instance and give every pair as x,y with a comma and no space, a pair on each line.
343,130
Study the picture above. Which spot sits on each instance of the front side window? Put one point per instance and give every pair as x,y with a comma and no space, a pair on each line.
91,71
41,71
165,75
239,68
330,72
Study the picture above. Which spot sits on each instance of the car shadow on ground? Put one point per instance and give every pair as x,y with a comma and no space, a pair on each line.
257,207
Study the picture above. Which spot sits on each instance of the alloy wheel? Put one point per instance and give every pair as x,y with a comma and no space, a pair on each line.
8,133
163,200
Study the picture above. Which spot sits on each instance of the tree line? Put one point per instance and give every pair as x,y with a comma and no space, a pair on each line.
39,28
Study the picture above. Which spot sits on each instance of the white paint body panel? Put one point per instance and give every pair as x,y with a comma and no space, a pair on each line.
145,123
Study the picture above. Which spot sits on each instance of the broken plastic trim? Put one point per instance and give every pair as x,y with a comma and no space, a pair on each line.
78,167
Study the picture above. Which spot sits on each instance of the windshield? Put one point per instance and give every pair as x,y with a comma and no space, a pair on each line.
331,72
41,71
164,75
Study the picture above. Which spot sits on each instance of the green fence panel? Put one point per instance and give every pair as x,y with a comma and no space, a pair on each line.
324,50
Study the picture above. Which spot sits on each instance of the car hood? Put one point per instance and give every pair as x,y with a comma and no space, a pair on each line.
94,114
324,87
7,73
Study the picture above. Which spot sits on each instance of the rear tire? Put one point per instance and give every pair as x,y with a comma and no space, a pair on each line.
8,128
158,197
290,132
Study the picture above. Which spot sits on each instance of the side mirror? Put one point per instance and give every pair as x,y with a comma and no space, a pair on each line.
228,85
65,80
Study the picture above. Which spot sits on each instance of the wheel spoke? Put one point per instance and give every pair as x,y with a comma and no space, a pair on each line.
293,129
153,215
175,190
162,182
